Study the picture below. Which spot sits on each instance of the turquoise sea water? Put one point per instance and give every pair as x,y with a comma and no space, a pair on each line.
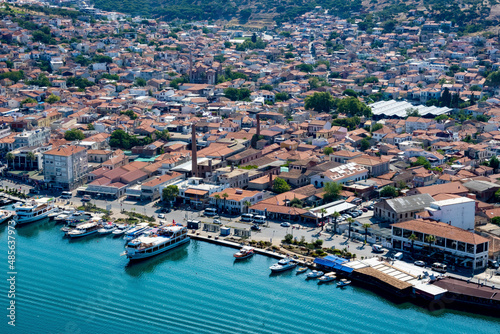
84,286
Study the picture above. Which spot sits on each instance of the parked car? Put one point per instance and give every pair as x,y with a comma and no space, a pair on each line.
285,224
86,198
161,216
493,264
364,210
370,207
419,263
255,227
216,221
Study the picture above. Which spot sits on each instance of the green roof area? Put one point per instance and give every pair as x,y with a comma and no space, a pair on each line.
147,159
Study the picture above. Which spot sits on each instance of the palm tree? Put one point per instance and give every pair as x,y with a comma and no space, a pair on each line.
366,227
350,220
336,215
217,198
323,212
247,204
430,239
9,157
31,158
225,196
412,238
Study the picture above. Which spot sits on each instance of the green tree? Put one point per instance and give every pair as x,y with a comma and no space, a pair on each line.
52,99
350,220
296,203
388,191
10,157
90,126
320,101
254,38
327,150
493,79
335,216
225,196
170,193
280,186
366,226
430,239
74,134
217,199
29,100
282,96
365,144
130,113
495,220
422,161
332,191
494,162
247,205
412,239
353,107
350,92
308,68
412,112
140,82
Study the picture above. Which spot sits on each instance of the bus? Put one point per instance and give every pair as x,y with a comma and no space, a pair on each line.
259,219
210,212
439,267
247,217
66,194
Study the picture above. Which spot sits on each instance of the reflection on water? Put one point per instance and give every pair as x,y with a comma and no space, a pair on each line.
31,230
138,268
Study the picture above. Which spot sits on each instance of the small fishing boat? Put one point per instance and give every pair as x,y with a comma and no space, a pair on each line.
327,278
343,282
107,228
301,270
314,274
120,230
244,253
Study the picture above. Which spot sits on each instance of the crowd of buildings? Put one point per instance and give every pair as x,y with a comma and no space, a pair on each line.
167,87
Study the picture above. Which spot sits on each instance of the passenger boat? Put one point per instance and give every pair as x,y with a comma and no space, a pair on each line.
120,230
327,278
301,270
343,282
244,253
107,229
314,274
163,239
84,229
283,265
137,231
6,215
34,210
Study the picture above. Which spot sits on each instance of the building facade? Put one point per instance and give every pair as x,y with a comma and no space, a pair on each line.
65,167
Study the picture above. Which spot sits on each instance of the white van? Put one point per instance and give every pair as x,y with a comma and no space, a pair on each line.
377,249
247,217
439,267
259,219
66,194
210,212
398,256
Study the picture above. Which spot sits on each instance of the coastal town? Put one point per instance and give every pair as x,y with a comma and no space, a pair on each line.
320,138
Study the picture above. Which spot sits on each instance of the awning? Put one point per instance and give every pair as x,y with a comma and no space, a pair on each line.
333,262
196,192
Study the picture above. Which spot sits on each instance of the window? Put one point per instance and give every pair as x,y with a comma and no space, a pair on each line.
397,231
406,233
440,241
461,246
452,244
470,248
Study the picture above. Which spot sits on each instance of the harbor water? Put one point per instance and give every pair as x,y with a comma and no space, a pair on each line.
85,286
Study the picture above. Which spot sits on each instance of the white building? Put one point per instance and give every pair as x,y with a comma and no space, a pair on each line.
36,137
65,167
341,174
458,212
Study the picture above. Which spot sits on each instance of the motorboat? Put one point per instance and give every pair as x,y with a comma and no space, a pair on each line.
54,213
107,228
327,278
302,270
6,215
343,282
63,215
162,239
136,231
84,229
77,217
33,210
120,230
244,253
283,265
314,274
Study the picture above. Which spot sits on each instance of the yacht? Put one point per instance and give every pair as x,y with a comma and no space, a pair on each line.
107,228
283,264
244,253
327,278
315,274
120,230
6,215
158,241
34,210
136,231
84,229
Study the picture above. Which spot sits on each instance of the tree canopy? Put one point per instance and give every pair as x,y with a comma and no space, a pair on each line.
353,107
170,192
332,191
388,191
320,101
280,186
74,134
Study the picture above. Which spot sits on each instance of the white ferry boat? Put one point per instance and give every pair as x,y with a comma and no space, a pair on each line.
163,239
34,210
84,229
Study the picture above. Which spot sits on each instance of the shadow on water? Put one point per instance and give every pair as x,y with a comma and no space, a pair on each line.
82,240
138,268
242,262
31,230
287,273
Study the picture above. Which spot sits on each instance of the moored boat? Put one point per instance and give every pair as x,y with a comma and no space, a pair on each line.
302,270
244,253
136,231
163,239
343,282
6,215
107,228
120,230
283,265
327,278
84,229
314,274
33,210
